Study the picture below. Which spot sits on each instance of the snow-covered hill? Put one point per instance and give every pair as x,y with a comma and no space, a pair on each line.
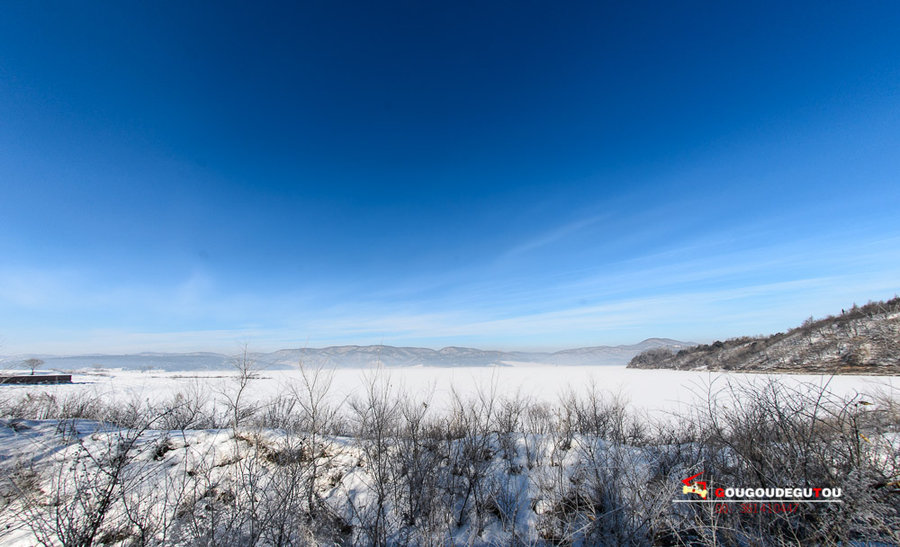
861,340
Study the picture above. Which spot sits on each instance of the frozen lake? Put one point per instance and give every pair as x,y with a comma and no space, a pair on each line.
655,391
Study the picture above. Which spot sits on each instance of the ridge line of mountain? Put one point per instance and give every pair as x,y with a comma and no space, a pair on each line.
360,356
860,340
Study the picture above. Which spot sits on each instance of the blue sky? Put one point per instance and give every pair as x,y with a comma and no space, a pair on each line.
511,175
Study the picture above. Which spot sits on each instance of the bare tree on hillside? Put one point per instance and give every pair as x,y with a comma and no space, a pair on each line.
33,364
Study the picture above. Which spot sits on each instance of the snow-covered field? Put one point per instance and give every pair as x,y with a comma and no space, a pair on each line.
656,391
541,481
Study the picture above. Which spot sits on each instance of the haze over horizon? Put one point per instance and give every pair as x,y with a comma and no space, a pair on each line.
237,352
493,175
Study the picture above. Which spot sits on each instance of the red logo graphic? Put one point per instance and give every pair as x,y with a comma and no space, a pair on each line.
694,487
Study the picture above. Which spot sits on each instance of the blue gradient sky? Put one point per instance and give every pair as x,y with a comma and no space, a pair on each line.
513,175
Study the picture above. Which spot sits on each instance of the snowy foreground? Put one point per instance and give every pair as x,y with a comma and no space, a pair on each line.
464,456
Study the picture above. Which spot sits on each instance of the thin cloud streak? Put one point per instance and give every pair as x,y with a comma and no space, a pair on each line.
554,235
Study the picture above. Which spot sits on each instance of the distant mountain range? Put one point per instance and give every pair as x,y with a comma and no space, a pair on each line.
356,356
861,340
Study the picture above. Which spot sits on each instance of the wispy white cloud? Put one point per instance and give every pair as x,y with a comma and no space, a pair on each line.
552,236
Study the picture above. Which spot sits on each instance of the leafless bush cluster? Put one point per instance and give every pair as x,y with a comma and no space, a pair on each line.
386,469
764,434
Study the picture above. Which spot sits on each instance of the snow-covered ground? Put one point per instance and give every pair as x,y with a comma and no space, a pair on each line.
656,391
181,484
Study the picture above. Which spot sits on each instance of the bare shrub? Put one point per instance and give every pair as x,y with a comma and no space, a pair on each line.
766,434
89,483
246,370
376,417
